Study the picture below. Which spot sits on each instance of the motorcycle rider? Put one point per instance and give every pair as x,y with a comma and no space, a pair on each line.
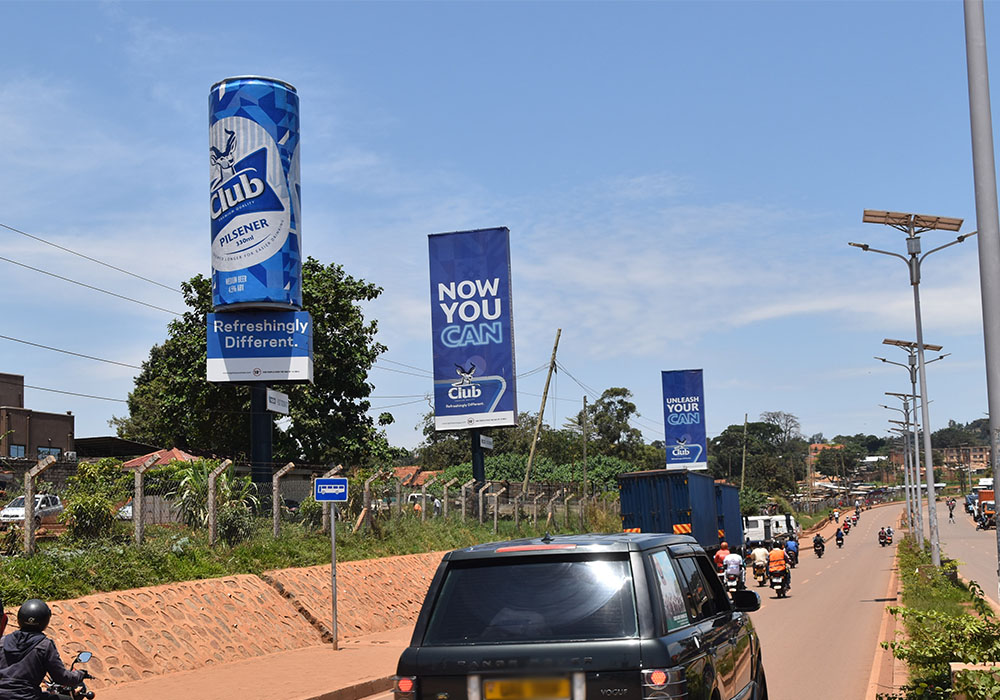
792,545
818,541
721,555
777,562
26,655
840,537
882,535
733,564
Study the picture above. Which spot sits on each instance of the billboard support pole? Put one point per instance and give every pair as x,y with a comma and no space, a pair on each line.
541,412
260,434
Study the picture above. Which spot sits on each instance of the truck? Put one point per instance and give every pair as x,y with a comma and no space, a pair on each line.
986,509
681,502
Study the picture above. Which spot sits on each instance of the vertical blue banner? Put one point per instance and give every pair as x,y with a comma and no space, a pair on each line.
472,328
684,419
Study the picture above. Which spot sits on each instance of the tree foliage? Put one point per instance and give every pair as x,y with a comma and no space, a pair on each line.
172,404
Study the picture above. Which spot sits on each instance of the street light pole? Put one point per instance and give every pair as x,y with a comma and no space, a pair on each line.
912,500
913,225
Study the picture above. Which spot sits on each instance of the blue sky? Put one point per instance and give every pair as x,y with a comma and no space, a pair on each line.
680,181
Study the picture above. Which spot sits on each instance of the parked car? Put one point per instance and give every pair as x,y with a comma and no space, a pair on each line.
633,616
47,507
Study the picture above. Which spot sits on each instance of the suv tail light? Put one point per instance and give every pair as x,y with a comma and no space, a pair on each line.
404,688
664,683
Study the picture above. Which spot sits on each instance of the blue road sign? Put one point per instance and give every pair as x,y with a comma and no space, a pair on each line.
332,489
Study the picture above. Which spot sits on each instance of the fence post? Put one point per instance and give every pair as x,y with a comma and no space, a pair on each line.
550,516
481,492
29,501
496,508
465,499
534,509
326,511
566,505
517,512
276,495
583,512
423,497
366,502
446,496
212,519
139,497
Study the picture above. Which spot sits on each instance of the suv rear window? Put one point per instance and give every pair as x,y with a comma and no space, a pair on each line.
535,600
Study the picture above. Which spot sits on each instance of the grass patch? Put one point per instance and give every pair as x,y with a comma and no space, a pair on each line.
70,568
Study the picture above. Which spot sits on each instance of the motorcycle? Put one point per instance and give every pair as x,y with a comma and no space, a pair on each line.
779,582
54,691
760,572
888,538
793,557
732,582
882,537
840,543
818,548
847,527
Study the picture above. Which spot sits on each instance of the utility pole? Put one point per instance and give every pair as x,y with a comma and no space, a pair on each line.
743,467
541,412
584,448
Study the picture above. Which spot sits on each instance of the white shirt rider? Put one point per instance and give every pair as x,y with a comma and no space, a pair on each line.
732,564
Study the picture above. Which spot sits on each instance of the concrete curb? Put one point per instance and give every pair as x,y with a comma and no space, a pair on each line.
886,633
356,691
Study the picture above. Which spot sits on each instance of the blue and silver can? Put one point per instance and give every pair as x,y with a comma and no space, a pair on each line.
255,194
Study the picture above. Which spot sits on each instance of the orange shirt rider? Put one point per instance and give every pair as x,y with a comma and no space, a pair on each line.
721,555
777,561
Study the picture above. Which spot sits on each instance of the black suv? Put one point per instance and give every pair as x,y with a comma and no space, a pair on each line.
582,617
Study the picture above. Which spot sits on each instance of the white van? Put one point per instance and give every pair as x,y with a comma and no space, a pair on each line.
768,527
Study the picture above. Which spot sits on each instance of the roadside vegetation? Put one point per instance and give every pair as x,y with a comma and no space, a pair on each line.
79,564
944,622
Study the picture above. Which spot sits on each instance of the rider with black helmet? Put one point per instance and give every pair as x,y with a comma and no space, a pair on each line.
26,655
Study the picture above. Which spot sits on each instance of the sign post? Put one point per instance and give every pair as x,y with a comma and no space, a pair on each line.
333,490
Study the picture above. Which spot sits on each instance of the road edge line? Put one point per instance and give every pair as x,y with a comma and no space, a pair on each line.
880,653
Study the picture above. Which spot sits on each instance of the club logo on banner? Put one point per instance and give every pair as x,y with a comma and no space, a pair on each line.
473,329
684,419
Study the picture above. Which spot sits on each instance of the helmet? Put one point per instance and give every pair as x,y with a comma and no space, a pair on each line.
33,615
724,545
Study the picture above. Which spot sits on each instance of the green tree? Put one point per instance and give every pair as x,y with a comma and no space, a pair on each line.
173,405
609,418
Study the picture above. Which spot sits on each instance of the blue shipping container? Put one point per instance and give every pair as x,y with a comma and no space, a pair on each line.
727,504
670,501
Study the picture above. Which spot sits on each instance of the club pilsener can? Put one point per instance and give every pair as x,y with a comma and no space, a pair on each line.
255,194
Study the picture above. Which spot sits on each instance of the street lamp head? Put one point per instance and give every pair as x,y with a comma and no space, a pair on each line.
911,223
863,246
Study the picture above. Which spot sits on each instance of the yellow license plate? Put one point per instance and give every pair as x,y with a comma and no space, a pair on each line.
527,689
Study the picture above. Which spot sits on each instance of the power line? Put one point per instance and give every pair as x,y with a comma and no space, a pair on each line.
401,364
70,352
70,393
89,286
398,371
87,257
394,405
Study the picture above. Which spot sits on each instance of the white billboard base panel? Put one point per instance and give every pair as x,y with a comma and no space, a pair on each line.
260,369
691,466
475,420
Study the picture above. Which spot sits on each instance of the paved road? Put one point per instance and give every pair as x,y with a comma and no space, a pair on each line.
976,550
819,642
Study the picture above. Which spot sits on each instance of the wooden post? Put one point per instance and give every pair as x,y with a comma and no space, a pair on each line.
29,501
212,515
541,411
276,495
517,512
139,498
534,510
367,499
566,505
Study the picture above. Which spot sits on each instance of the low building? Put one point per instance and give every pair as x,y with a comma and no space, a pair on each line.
31,435
972,457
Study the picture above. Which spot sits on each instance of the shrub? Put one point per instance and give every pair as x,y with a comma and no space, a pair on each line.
235,523
311,512
90,515
92,495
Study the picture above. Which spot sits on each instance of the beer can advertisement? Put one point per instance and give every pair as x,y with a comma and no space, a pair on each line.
473,329
684,418
260,346
254,194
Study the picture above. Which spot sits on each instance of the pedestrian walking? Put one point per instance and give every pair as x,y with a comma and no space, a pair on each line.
951,510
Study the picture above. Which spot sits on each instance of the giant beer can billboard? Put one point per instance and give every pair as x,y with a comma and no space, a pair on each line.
684,419
473,329
255,194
